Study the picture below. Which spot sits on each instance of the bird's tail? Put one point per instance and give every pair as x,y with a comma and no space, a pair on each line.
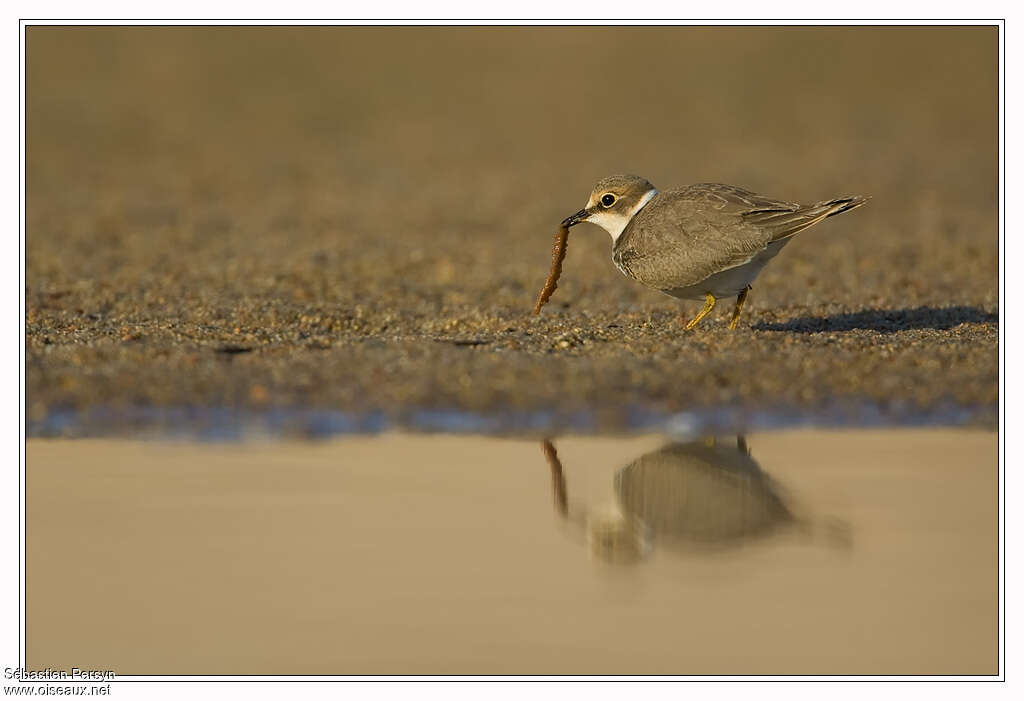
843,204
788,220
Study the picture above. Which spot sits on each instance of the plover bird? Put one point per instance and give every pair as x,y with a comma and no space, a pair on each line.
704,241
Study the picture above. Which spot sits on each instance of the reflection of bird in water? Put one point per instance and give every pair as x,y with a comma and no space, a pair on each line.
709,494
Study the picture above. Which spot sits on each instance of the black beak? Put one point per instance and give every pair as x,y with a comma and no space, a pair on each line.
576,218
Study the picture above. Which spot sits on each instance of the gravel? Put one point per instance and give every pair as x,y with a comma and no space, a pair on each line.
362,219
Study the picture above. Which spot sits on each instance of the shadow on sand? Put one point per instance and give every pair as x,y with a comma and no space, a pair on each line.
886,320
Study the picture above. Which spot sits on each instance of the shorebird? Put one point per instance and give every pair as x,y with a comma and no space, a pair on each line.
705,241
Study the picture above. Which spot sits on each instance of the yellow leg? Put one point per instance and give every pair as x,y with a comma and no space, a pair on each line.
739,306
709,304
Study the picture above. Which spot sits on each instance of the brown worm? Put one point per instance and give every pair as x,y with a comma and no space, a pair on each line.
557,478
557,256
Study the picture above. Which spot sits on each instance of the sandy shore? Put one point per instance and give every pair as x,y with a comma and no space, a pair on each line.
362,219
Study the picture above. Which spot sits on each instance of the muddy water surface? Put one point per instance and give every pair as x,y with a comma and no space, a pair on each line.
860,552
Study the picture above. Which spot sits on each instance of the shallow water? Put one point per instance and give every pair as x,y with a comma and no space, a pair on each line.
791,552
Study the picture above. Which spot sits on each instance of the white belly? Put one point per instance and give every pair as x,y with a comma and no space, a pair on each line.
731,281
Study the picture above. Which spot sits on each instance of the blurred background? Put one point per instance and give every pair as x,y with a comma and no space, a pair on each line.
330,202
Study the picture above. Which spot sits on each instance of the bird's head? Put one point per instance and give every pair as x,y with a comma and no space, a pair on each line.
614,201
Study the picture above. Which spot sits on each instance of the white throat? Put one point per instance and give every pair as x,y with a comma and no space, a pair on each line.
614,222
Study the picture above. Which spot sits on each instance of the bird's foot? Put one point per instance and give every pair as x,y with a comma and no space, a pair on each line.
740,299
709,304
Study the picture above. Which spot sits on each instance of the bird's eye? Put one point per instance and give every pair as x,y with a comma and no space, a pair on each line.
608,200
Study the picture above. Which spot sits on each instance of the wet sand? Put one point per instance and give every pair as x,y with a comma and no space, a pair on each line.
441,555
359,219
